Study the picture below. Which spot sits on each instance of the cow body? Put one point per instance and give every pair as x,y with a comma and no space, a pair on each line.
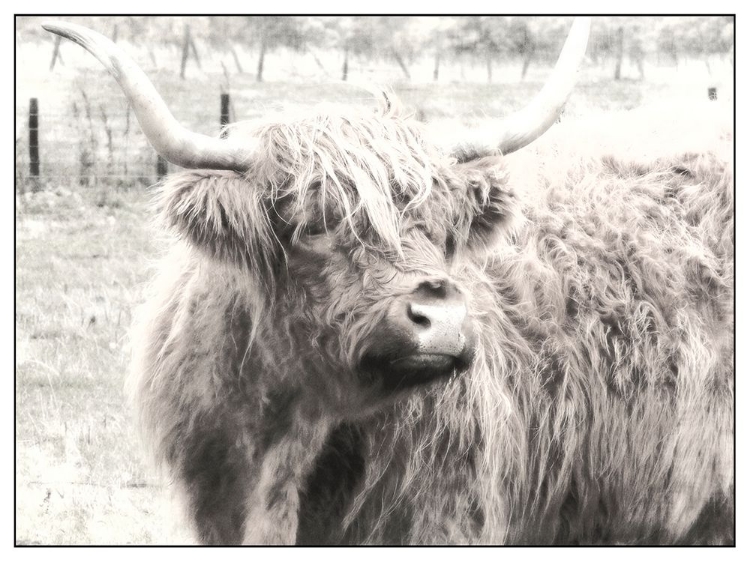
367,334
597,408
600,411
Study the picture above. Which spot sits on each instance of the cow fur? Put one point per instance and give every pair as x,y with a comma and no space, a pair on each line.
598,407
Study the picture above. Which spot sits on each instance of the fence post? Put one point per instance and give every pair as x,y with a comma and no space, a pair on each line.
224,119
161,167
34,143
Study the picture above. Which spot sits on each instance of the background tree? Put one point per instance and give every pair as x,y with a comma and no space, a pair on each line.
225,33
403,40
396,36
481,35
271,32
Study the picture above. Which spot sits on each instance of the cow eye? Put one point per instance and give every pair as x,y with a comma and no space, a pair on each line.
312,229
314,238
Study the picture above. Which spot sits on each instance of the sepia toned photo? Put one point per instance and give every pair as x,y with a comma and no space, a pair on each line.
375,280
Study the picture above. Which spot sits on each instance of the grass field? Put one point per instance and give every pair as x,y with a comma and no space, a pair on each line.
82,260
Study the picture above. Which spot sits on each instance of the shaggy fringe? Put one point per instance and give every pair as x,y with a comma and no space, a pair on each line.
339,160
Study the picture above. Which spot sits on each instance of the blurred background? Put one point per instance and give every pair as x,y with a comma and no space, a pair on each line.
465,67
85,242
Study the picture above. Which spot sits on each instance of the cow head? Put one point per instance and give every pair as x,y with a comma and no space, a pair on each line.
354,229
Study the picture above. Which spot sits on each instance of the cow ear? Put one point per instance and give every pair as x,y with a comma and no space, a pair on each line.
222,214
491,207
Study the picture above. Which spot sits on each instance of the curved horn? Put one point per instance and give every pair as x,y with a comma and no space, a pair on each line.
170,139
531,122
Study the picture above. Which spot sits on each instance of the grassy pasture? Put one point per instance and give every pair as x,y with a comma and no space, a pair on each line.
83,251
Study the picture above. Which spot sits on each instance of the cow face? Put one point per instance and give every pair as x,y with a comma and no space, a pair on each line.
348,225
352,227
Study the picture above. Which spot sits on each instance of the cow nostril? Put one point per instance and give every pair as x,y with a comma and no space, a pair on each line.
416,316
437,288
434,284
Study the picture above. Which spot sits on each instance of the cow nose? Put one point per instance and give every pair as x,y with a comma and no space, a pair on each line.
436,312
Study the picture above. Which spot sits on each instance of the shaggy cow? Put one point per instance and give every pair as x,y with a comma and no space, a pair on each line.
366,337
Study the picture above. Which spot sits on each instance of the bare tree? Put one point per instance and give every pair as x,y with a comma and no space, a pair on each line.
273,32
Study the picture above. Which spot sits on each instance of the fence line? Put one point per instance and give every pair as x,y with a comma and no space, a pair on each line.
133,175
90,149
35,160
119,115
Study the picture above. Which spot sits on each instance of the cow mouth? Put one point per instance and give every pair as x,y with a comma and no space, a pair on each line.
415,369
429,361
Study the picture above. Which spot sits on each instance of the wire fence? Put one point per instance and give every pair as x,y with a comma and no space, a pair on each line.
90,144
83,132
74,127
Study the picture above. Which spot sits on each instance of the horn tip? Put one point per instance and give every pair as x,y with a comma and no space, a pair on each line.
65,29
51,25
57,27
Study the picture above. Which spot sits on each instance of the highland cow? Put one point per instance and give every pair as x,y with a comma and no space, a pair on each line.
364,335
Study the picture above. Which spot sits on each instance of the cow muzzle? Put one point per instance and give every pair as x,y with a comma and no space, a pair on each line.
427,334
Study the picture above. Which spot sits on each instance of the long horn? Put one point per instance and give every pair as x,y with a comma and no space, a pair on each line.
531,122
170,139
